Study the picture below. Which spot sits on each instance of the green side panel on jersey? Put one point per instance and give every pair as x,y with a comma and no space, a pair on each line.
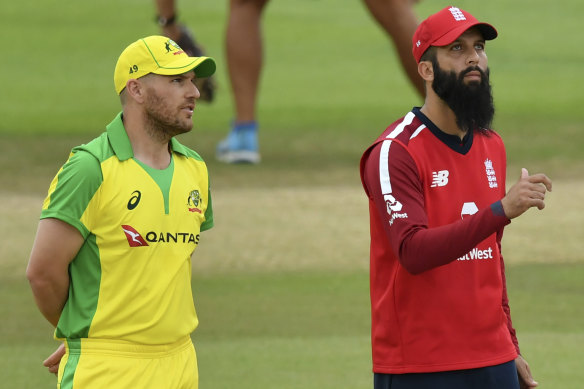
180,148
162,177
208,223
74,346
80,308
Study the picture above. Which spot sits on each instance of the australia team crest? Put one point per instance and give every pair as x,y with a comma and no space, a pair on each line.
194,200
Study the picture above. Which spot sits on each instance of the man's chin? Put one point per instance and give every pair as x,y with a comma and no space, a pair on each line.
183,130
473,85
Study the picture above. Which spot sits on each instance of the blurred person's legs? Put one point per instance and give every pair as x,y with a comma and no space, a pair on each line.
244,60
399,21
167,18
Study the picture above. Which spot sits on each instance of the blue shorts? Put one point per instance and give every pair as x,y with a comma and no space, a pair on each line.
502,376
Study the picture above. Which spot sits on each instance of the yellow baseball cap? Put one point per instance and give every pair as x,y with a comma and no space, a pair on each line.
159,55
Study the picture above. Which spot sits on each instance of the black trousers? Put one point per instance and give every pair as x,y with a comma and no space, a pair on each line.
502,376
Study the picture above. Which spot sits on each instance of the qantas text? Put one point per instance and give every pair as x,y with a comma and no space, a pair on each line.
177,237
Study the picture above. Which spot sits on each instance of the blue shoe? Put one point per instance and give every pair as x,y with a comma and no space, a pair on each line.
241,144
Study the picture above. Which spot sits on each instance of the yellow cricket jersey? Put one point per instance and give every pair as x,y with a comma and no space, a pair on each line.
131,279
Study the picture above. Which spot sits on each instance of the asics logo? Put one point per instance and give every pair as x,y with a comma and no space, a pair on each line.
440,178
134,200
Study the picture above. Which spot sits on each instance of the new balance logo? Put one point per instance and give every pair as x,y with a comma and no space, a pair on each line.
457,14
440,178
133,236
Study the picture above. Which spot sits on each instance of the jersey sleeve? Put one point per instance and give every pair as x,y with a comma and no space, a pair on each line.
72,189
393,184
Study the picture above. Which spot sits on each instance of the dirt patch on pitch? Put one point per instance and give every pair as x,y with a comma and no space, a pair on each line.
553,235
327,228
287,229
317,228
18,221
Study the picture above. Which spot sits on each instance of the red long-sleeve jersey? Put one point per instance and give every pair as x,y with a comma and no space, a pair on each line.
438,294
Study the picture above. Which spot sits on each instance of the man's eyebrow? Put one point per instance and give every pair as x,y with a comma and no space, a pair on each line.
189,74
458,40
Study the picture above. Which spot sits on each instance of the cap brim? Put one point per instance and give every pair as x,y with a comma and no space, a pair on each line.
486,29
203,67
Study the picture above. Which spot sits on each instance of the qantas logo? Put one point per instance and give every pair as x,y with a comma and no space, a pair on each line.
133,236
136,240
440,178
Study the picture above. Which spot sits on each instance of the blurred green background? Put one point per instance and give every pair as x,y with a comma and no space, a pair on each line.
281,282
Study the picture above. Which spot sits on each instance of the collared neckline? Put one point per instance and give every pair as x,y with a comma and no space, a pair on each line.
461,146
120,143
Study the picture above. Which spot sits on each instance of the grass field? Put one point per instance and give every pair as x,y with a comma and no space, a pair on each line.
281,282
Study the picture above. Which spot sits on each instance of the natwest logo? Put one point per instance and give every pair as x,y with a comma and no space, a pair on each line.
394,208
392,204
133,236
477,254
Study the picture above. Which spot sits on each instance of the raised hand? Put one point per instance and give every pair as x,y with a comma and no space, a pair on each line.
528,192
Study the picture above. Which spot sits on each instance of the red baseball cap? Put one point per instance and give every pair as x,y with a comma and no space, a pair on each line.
444,27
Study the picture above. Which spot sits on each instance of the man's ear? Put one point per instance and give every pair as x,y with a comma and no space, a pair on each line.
426,70
135,89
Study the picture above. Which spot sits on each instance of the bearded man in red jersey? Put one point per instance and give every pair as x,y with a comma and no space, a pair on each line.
435,180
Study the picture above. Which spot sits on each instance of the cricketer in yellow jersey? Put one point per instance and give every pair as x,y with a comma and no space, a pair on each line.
110,267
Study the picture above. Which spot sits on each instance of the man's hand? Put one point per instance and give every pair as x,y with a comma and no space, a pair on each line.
526,381
53,361
528,192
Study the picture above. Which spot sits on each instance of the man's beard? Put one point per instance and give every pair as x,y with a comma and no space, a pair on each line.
471,103
161,122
